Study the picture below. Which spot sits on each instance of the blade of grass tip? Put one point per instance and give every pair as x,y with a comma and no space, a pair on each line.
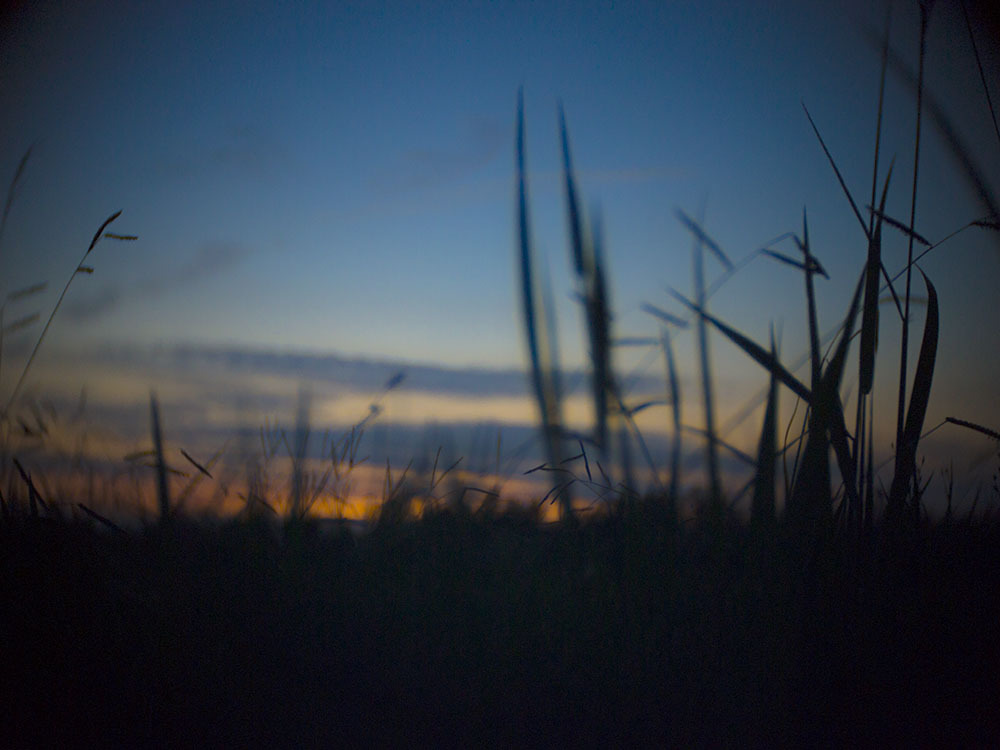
836,171
754,350
695,228
663,315
101,519
578,250
52,315
100,232
973,426
675,408
900,227
869,315
586,462
32,492
203,471
12,187
906,449
195,464
763,501
814,265
162,490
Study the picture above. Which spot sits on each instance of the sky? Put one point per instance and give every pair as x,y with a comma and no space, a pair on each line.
324,192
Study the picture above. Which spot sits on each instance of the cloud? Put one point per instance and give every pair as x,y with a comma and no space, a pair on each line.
210,260
354,373
482,140
243,152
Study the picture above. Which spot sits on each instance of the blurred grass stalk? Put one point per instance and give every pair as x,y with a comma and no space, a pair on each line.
544,367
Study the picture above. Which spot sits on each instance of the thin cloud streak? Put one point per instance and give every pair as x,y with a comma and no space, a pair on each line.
211,260
355,373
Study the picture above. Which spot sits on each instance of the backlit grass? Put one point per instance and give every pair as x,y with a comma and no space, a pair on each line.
837,613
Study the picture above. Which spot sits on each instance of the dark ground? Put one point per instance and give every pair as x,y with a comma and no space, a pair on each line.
461,629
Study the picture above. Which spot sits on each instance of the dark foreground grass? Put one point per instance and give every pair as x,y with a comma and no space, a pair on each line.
495,629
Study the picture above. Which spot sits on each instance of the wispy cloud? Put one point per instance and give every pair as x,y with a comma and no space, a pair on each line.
355,373
209,261
242,151
420,168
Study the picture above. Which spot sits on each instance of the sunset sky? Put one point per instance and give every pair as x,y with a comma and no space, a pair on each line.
324,195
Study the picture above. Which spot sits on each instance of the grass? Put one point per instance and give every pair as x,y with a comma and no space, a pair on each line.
821,620
810,503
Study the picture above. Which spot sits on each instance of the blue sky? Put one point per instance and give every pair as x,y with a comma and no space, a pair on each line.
337,178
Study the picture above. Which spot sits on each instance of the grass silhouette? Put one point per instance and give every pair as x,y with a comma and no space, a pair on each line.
818,621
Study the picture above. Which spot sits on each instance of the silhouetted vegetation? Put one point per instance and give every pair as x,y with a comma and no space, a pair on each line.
493,627
817,621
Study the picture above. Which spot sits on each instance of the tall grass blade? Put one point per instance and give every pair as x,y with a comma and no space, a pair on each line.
869,475
162,489
675,409
541,375
588,263
298,507
52,315
600,338
836,171
905,338
814,352
973,426
33,496
763,502
715,487
811,501
869,315
900,227
578,252
700,234
906,449
814,265
101,519
755,350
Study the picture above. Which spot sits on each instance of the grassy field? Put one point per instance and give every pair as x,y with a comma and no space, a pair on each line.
836,613
465,627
